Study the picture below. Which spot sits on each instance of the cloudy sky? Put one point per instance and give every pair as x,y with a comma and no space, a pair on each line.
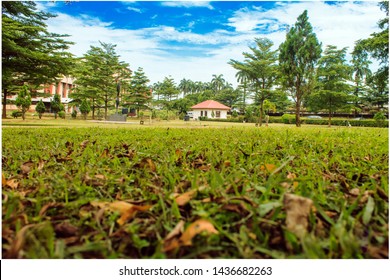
194,40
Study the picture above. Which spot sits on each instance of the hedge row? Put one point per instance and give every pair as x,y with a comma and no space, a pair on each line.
291,120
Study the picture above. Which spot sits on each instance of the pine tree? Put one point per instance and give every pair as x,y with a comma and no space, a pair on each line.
85,108
30,54
40,108
23,100
298,56
139,91
56,105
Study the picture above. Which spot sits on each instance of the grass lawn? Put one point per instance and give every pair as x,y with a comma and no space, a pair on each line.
81,189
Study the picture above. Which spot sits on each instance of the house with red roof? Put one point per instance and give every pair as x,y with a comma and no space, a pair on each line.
210,109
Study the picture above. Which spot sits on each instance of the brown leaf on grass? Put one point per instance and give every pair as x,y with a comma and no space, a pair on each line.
297,212
126,210
146,163
3,180
96,181
239,208
12,183
62,159
84,144
49,205
65,229
178,229
292,177
105,153
354,192
26,167
378,252
268,167
183,199
192,230
18,243
41,164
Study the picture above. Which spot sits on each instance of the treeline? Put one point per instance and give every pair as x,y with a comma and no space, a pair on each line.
299,74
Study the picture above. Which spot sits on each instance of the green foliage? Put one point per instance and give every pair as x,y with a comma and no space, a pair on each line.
15,114
98,75
139,91
23,100
74,114
61,114
288,118
332,91
379,117
298,56
85,108
40,108
30,53
56,105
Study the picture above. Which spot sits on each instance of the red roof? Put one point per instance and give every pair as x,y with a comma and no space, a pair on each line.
210,104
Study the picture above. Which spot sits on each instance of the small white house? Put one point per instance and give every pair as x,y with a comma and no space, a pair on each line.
210,109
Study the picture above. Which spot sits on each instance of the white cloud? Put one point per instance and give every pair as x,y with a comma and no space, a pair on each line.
137,10
188,4
340,24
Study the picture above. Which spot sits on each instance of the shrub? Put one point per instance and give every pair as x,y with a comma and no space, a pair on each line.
61,114
288,118
379,117
40,108
74,114
16,114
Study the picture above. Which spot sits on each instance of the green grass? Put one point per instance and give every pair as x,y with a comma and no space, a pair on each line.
54,177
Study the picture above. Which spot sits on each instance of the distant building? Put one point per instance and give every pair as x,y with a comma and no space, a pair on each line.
63,88
210,109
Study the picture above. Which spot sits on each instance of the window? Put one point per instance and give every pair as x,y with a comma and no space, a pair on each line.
205,113
201,113
217,114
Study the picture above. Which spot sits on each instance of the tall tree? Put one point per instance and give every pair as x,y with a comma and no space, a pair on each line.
98,75
361,74
30,54
167,90
243,78
140,93
217,82
260,65
377,45
333,81
298,56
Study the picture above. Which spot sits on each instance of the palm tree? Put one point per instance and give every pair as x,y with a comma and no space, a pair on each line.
217,82
184,86
243,78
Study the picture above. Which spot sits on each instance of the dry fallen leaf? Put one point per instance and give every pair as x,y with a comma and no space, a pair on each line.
192,230
13,183
195,228
297,212
3,180
183,199
268,167
176,231
127,210
26,167
84,144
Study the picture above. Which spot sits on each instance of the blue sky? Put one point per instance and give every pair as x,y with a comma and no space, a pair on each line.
194,40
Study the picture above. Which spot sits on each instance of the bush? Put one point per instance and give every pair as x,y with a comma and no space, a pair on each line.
288,118
61,114
16,114
74,114
379,117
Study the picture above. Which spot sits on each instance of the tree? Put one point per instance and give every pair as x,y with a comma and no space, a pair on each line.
217,83
56,105
23,100
40,108
167,90
85,108
243,78
139,91
333,77
361,74
97,76
30,54
260,65
298,55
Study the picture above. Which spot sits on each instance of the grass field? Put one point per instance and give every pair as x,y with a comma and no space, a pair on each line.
171,190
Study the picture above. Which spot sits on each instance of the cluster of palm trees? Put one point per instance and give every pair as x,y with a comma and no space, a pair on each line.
217,84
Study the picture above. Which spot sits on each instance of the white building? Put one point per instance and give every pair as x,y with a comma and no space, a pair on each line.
210,109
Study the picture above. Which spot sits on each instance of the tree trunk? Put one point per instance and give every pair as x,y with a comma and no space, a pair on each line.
261,113
105,109
93,109
298,113
4,115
